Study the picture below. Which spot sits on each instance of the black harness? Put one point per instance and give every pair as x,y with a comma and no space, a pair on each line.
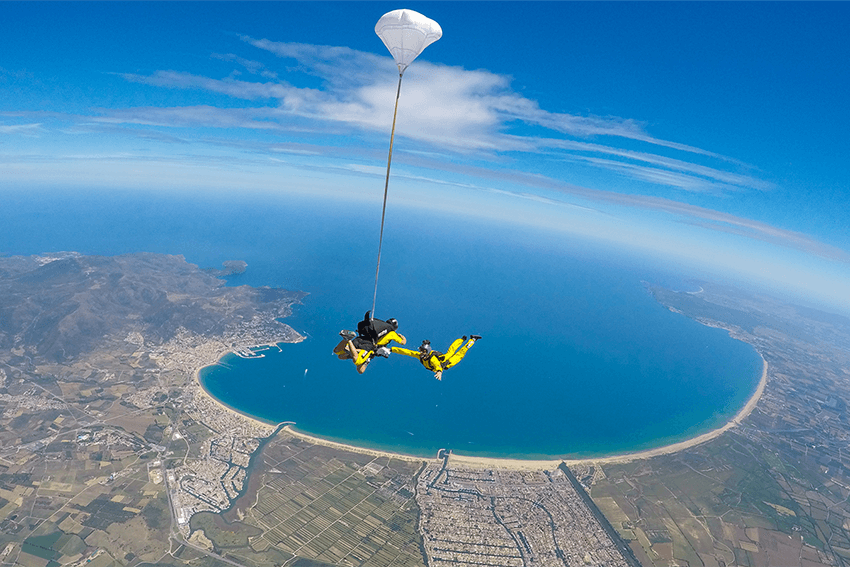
426,357
373,329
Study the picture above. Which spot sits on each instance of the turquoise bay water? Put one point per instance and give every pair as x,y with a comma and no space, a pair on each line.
577,358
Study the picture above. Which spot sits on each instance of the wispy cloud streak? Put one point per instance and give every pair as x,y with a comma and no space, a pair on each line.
20,128
725,222
471,112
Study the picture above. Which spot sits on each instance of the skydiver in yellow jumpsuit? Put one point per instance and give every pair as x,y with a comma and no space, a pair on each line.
436,361
371,340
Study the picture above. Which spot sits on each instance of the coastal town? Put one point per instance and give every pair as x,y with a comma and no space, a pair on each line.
219,441
515,518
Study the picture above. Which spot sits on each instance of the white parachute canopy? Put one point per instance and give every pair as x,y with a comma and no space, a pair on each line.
406,34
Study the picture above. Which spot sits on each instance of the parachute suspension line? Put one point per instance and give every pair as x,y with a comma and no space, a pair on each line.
386,187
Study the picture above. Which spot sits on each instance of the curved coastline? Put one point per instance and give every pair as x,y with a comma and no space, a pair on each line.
626,457
197,376
493,462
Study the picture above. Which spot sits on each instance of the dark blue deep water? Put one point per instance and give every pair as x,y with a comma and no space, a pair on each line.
577,358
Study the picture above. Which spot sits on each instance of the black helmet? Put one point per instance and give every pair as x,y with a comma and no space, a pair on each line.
425,347
393,322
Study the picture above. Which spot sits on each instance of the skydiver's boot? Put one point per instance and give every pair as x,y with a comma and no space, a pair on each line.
475,337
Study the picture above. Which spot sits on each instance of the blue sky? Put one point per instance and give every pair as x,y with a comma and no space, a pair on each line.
714,134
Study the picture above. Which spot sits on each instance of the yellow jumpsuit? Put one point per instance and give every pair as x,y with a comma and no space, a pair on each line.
435,361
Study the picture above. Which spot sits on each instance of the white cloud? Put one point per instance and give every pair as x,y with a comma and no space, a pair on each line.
659,176
479,104
190,117
246,90
475,113
544,200
19,128
728,179
253,67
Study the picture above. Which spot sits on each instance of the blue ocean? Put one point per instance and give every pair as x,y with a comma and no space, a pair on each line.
576,359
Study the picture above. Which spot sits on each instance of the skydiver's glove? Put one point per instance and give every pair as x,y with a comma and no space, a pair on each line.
382,351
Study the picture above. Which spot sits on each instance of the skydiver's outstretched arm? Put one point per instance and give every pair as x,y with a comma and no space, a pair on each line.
405,351
431,363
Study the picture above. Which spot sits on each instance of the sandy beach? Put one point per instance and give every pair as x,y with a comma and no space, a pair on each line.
197,376
675,447
345,447
521,464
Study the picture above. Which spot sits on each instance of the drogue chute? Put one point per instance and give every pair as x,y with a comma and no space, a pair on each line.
406,34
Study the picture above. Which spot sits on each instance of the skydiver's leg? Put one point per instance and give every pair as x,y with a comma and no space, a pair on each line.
454,346
362,360
350,352
361,352
364,356
458,356
340,350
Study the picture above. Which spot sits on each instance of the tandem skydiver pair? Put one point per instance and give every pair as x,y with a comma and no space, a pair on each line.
370,340
374,335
